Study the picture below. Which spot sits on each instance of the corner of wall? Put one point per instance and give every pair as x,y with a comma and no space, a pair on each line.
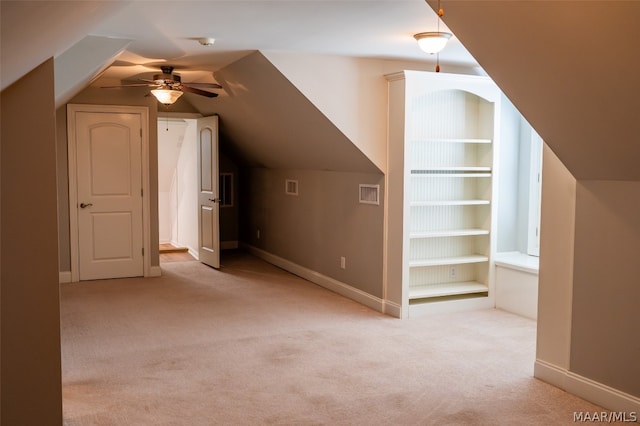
556,262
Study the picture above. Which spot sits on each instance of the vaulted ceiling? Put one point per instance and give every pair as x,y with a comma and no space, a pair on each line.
266,119
570,67
166,31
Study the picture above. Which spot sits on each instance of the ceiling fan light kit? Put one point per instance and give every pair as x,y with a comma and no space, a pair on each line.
166,96
168,87
206,41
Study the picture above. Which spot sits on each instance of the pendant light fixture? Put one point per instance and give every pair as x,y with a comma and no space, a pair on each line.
433,42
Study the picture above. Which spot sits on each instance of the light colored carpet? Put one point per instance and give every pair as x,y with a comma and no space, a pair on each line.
252,344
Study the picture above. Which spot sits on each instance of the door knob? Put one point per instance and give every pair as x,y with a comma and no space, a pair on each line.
84,206
214,200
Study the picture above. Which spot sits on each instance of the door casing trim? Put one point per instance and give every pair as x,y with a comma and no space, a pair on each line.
72,109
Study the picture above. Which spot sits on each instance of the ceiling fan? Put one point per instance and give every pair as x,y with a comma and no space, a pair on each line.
168,87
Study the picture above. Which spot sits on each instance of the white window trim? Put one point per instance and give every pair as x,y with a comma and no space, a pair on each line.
535,195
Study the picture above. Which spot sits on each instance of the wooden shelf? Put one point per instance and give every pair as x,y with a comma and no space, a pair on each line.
452,140
447,289
449,233
427,170
449,203
449,175
456,260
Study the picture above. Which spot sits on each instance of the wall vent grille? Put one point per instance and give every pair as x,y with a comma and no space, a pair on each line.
291,187
370,194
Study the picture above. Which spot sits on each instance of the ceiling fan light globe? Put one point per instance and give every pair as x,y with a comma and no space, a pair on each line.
166,96
206,41
432,42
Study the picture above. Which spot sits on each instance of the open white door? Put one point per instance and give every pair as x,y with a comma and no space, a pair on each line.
208,197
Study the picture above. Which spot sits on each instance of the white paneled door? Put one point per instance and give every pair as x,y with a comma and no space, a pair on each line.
208,192
109,195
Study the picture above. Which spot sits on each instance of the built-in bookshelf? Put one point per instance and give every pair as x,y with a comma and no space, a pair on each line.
448,138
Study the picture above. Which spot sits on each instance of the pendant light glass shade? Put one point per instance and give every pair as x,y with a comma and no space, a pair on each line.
432,42
166,96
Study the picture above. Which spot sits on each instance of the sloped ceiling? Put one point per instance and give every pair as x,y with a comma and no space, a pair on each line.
82,63
272,124
571,68
33,31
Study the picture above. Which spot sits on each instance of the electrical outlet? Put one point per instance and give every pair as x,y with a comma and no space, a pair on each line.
452,272
343,262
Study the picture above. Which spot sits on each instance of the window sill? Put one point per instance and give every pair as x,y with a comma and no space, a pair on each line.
518,261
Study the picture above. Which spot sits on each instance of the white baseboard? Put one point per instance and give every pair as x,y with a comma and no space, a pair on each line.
65,276
155,271
194,253
329,283
392,309
595,392
228,245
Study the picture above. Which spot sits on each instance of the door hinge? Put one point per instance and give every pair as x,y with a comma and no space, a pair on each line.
142,251
141,192
141,132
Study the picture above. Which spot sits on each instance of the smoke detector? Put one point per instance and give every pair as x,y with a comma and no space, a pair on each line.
206,41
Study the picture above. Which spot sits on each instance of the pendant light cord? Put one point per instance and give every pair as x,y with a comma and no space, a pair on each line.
440,13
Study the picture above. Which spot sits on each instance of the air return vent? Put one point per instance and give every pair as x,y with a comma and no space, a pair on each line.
369,194
291,187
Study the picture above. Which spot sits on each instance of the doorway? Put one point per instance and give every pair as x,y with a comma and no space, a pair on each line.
108,151
193,202
177,159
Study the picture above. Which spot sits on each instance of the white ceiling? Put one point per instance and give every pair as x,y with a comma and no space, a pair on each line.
578,87
166,32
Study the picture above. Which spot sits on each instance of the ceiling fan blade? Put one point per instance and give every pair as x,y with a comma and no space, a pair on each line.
210,85
129,85
198,91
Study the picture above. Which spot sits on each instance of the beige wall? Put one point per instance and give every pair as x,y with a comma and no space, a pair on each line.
93,95
31,372
317,227
587,309
556,262
605,338
351,92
